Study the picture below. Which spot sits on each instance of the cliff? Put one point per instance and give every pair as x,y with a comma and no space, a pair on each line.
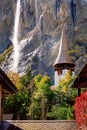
41,23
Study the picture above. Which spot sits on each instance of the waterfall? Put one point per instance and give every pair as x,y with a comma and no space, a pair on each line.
15,37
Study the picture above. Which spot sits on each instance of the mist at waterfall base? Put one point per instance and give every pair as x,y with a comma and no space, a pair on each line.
15,37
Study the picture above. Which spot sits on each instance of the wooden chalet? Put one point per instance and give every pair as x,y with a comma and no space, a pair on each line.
81,79
6,87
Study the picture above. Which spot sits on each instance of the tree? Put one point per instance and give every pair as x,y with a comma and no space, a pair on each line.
15,78
17,104
64,87
65,98
26,79
42,98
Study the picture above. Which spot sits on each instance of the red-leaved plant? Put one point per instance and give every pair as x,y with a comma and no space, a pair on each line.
81,111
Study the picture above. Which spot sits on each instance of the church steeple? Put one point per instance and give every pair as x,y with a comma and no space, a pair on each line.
63,61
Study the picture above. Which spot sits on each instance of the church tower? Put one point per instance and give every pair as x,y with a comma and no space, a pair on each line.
63,61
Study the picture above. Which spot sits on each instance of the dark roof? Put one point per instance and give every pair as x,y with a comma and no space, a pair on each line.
80,63
63,57
81,78
7,85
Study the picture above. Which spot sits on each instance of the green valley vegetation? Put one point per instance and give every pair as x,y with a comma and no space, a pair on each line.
35,100
42,98
6,53
65,96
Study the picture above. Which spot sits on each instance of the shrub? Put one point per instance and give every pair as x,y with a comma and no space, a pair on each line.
81,110
63,112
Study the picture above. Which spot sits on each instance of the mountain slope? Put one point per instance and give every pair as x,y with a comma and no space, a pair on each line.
41,23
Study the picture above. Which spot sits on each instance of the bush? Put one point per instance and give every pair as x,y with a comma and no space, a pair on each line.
81,110
63,112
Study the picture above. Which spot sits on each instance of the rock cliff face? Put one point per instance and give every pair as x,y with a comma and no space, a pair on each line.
41,23
6,20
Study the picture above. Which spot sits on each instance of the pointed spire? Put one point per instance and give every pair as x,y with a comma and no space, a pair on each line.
63,60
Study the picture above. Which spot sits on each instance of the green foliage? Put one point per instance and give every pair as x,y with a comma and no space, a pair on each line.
42,84
17,104
35,99
75,52
64,87
61,113
34,110
65,96
5,53
2,59
25,80
42,98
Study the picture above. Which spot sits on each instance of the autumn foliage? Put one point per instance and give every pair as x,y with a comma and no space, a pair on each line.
81,110
15,78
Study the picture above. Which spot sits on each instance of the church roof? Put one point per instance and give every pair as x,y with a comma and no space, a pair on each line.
63,59
7,84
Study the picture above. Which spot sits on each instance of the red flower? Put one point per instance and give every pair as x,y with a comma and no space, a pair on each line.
81,109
